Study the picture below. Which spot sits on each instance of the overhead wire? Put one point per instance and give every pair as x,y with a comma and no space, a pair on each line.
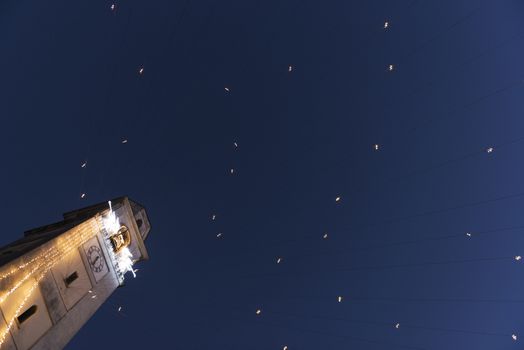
390,324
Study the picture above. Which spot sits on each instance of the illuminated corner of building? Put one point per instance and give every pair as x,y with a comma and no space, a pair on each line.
55,278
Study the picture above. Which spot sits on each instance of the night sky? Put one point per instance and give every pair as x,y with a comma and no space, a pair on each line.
410,244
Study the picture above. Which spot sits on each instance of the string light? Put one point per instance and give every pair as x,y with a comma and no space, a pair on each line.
518,258
18,310
63,245
123,259
24,265
110,221
20,282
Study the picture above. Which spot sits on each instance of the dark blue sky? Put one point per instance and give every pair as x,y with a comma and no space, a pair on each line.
397,249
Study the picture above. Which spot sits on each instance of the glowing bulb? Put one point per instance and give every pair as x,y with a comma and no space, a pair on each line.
111,222
339,298
125,261
65,244
19,309
258,312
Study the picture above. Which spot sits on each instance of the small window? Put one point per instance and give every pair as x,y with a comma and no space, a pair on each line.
139,223
71,278
26,314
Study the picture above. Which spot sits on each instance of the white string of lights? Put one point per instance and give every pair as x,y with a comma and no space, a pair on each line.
122,260
63,246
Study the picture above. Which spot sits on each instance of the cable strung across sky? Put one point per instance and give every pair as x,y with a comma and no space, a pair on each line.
321,175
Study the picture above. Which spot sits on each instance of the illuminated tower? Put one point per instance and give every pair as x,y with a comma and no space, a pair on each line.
55,278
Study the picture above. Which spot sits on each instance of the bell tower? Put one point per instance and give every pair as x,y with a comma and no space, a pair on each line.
56,277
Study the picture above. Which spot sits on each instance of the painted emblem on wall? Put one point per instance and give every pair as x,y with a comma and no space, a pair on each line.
95,258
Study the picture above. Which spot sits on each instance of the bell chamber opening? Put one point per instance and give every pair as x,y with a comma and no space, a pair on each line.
121,239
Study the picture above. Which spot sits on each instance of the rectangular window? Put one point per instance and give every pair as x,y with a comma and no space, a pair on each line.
71,278
26,314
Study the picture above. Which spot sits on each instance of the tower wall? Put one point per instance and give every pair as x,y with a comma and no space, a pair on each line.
50,291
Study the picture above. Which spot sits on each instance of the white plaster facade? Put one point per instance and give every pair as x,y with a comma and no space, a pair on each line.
74,288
